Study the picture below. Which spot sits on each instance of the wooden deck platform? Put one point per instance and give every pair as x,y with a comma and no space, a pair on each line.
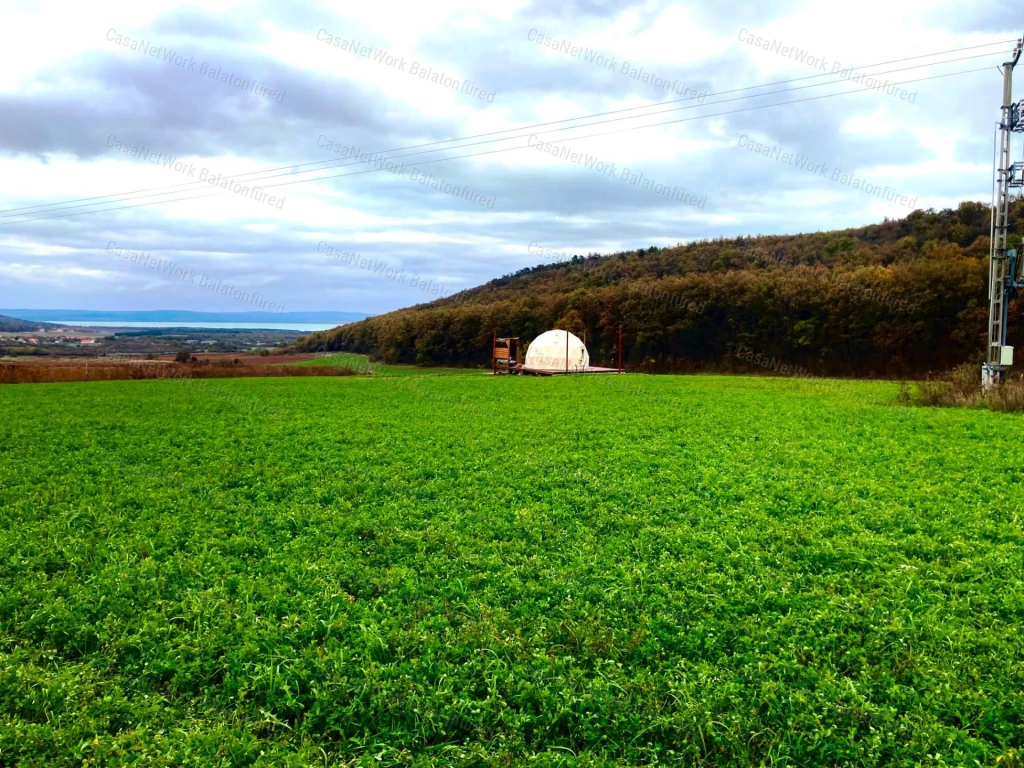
562,372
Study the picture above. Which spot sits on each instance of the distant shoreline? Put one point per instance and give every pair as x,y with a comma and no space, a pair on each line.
142,325
163,318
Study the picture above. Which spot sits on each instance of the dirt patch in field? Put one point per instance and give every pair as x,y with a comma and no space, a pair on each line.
220,357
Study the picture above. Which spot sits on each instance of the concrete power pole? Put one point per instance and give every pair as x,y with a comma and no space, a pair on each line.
1004,269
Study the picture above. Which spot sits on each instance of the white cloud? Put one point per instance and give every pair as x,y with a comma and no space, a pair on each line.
64,88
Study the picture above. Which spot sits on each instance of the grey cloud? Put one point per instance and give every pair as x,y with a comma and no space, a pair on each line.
740,13
195,24
175,110
575,10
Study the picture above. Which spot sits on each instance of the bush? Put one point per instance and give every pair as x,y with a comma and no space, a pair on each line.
961,388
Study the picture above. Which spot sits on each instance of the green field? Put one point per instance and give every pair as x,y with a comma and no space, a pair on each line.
507,571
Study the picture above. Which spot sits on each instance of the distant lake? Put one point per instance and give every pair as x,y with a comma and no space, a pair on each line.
305,327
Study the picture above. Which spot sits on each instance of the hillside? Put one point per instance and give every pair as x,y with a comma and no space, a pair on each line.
904,296
15,325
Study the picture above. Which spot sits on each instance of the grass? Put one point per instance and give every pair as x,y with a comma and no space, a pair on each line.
504,571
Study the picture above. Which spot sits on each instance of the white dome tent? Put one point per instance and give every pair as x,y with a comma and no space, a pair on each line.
557,351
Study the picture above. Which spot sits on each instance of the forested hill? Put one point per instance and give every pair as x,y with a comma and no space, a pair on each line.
16,325
900,297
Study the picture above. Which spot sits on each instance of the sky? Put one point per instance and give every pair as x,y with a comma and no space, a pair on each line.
117,116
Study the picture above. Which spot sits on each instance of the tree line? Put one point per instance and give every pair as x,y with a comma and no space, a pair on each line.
906,296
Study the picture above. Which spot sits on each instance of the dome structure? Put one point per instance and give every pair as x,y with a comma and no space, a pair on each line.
548,353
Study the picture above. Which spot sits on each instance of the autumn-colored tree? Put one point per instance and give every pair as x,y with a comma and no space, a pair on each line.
899,298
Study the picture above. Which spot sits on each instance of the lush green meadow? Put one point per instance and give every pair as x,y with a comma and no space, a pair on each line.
501,571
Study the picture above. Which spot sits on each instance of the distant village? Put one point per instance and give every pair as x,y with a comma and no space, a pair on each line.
92,342
43,336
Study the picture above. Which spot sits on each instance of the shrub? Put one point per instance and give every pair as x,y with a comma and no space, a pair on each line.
961,388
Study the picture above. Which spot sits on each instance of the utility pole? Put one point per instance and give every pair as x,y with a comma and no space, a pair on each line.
1004,272
620,349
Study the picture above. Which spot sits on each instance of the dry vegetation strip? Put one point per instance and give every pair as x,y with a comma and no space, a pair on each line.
36,373
961,388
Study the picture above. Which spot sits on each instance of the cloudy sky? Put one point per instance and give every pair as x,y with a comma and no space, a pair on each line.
115,111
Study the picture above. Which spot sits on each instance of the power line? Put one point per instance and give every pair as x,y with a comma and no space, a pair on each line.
650,125
488,141
340,162
506,149
509,138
